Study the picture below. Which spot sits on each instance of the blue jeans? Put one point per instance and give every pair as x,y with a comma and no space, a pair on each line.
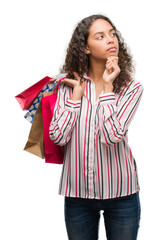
121,217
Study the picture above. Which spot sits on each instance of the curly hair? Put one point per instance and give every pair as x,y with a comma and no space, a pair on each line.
77,60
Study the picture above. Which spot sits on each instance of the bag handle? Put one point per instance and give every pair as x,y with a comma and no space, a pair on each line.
57,86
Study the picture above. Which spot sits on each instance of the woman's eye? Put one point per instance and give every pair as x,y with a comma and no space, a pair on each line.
113,34
100,37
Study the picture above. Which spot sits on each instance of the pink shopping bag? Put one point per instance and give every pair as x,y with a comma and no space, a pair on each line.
27,97
53,152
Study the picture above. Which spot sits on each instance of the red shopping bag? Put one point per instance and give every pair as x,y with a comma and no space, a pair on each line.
27,97
53,152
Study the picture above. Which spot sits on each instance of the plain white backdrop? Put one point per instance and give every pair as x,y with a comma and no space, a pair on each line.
33,42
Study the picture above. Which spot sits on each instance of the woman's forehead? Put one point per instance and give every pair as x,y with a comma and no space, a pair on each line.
100,25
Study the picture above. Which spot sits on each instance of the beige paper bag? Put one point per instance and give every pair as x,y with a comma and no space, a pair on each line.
35,143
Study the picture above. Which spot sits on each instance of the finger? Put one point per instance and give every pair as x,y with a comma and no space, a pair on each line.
70,82
81,81
76,76
112,58
112,63
113,68
109,65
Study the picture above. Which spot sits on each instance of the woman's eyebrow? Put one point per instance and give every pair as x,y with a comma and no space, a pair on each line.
112,29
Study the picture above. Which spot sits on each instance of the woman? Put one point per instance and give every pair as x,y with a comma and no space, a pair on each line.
91,119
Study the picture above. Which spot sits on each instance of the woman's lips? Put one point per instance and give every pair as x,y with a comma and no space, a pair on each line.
113,49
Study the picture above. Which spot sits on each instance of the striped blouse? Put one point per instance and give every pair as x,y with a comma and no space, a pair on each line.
98,162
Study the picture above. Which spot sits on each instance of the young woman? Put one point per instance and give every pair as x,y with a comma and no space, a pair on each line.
95,105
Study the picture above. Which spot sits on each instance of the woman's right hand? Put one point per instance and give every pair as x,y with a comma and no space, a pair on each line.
77,84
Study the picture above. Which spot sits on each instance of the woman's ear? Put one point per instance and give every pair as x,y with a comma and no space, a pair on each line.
87,50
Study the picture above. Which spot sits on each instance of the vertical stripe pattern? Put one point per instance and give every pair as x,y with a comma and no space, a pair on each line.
98,161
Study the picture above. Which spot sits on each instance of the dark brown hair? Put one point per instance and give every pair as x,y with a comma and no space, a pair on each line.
77,60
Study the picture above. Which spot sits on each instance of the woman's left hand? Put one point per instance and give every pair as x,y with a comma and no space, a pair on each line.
112,70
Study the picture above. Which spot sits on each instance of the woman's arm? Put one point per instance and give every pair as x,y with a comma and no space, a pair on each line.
114,120
65,115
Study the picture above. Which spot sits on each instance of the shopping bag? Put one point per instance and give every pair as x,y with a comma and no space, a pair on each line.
35,144
53,152
47,88
32,110
27,97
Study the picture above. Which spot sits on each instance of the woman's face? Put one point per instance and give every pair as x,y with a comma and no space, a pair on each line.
102,41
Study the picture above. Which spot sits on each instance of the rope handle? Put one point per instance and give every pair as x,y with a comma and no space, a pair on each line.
57,86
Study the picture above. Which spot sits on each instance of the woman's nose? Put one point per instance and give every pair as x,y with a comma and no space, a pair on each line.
109,39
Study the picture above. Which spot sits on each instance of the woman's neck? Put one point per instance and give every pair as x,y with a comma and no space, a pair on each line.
96,70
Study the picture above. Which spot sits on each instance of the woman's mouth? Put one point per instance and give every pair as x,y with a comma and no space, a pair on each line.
112,49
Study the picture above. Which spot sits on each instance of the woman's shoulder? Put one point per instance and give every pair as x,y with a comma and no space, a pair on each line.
56,78
59,76
63,88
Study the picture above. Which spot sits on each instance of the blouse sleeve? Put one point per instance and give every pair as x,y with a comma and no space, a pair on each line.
66,112
115,117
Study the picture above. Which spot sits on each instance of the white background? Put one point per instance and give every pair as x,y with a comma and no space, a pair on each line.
33,42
